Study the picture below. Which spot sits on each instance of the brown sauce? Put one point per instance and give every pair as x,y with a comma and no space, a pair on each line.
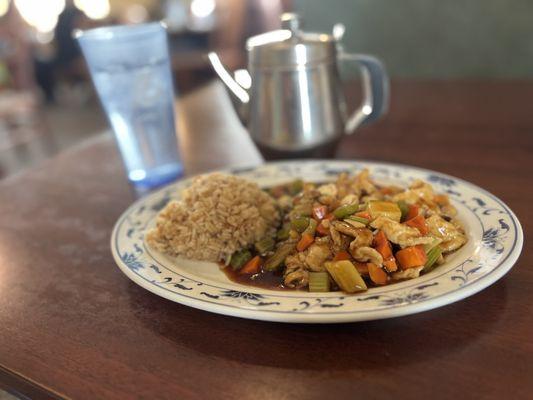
264,280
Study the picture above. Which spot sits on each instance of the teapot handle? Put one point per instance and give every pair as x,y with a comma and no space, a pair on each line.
375,83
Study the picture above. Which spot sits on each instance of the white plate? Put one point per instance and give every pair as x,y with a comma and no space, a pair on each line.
494,233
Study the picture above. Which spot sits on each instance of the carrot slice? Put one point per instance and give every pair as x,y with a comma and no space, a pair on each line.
322,230
341,255
377,274
413,212
319,212
329,216
390,264
305,242
382,245
252,266
364,214
411,257
418,222
362,268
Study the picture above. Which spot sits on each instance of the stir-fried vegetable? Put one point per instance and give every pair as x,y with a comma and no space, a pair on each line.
411,257
306,241
346,210
432,256
276,260
311,228
264,245
378,276
404,208
300,224
342,255
414,210
251,267
296,186
283,233
361,220
418,222
383,246
319,282
350,234
239,258
346,276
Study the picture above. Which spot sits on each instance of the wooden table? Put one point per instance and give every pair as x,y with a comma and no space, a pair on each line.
73,326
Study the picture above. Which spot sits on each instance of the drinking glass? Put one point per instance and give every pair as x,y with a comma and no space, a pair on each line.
130,68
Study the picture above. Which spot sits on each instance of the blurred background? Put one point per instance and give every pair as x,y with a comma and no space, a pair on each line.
46,98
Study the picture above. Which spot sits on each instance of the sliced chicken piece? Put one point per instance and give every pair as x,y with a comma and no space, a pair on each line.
296,279
346,228
335,236
343,184
363,184
317,254
363,238
451,235
418,190
349,199
296,274
367,254
295,261
409,273
329,189
400,234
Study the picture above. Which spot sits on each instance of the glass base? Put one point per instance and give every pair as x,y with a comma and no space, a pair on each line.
155,177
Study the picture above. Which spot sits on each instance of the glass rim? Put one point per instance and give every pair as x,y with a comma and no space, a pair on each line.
118,31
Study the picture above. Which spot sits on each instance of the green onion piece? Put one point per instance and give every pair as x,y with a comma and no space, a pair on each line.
362,220
264,245
318,282
276,260
346,210
300,223
239,258
311,228
404,208
433,256
296,186
283,233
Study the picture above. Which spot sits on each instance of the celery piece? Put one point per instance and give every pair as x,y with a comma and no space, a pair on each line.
346,210
311,228
429,246
276,260
432,257
239,258
318,282
264,245
283,233
385,209
404,208
296,186
362,220
346,276
302,210
300,223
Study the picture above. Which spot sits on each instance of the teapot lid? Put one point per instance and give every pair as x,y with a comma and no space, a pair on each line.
289,47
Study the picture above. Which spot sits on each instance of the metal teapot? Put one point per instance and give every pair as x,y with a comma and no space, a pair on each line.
291,98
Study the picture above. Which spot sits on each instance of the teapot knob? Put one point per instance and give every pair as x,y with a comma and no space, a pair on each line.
290,21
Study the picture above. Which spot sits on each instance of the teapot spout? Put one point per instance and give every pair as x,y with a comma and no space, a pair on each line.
239,96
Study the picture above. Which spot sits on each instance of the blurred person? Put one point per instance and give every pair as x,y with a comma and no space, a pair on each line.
67,62
15,51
